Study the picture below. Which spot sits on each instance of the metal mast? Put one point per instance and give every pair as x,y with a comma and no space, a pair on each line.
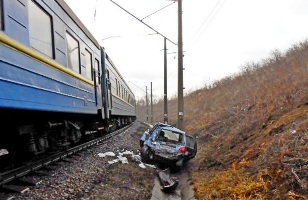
180,69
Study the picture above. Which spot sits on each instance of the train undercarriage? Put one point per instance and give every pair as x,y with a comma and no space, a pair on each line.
32,134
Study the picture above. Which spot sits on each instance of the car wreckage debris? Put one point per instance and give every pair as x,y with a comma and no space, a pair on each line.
168,145
167,182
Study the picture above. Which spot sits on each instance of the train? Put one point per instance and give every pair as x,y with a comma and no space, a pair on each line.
58,85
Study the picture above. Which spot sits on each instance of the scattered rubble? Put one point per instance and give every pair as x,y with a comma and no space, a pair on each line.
90,176
109,171
167,182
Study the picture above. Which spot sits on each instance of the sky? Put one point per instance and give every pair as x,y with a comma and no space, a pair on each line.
219,37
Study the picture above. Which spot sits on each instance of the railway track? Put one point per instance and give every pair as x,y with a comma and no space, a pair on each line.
18,180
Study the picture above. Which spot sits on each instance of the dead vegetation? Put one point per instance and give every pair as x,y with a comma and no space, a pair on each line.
252,129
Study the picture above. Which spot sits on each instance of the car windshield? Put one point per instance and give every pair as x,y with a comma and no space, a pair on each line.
170,136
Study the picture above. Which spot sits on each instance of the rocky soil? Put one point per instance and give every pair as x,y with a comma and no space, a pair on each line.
93,174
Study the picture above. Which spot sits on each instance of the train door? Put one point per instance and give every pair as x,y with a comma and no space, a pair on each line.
109,96
104,86
97,82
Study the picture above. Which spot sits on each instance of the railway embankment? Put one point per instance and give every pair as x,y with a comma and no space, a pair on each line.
252,129
109,170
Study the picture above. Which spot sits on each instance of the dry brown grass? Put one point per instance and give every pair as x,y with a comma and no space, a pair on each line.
252,129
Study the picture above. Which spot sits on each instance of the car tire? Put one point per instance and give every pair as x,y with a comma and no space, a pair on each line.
146,154
195,151
141,143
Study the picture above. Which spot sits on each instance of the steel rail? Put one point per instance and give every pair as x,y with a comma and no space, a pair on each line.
17,173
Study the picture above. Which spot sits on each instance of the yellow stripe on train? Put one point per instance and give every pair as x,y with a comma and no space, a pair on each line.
14,44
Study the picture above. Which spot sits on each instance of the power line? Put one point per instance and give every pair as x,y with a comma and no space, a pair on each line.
128,36
143,23
146,83
157,11
207,21
95,10
213,17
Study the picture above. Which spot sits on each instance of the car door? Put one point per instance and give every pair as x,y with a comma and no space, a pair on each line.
191,145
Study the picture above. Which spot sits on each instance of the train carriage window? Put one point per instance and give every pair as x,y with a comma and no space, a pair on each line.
72,51
40,38
119,89
108,77
122,91
88,65
116,86
98,75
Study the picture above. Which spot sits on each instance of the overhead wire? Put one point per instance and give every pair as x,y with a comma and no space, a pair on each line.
213,16
143,22
158,10
207,21
95,10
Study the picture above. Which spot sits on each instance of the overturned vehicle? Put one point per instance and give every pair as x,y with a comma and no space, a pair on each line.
167,144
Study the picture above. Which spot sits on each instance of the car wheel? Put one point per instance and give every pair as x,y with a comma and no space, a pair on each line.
195,151
146,154
141,143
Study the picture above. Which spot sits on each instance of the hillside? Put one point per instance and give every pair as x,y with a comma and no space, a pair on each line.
252,130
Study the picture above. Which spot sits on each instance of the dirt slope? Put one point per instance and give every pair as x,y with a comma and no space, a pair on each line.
252,129
270,163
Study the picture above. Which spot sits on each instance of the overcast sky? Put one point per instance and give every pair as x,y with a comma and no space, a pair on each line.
219,36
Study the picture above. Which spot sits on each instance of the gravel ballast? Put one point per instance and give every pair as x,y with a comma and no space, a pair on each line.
96,174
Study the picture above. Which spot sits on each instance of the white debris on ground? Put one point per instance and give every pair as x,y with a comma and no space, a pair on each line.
121,158
103,155
152,166
127,153
142,165
89,176
3,152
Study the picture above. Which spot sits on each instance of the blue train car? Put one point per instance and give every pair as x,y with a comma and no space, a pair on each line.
120,99
55,82
47,59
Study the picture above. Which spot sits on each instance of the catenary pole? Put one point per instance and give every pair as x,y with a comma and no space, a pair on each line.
151,103
165,84
146,101
180,69
180,59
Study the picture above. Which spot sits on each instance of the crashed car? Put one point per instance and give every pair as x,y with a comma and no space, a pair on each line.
167,144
